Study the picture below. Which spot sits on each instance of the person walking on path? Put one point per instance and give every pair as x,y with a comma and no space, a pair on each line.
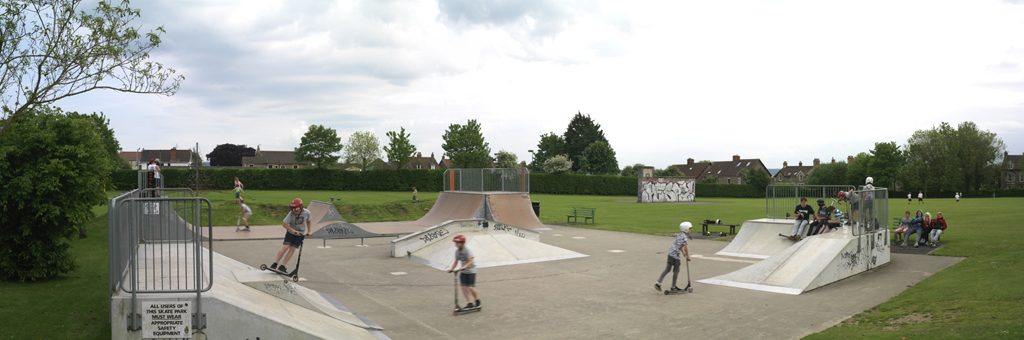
679,247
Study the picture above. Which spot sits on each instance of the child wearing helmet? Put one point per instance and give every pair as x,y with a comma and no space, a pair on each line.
679,247
297,226
467,272
821,219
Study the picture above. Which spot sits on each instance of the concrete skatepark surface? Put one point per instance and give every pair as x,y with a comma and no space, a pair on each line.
606,295
759,239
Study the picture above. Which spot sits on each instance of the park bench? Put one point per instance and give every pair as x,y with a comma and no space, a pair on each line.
704,230
585,213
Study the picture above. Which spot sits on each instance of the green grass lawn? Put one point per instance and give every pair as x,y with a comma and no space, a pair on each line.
982,297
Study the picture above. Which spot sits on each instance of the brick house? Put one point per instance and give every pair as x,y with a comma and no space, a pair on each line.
273,160
419,162
1012,176
725,172
132,157
169,158
797,174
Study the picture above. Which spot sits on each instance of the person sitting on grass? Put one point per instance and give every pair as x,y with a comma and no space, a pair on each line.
297,226
915,228
901,231
938,227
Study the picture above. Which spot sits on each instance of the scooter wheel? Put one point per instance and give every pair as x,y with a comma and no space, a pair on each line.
263,267
295,278
689,289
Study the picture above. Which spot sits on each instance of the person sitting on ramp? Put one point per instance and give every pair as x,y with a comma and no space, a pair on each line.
297,226
803,214
467,273
821,219
679,246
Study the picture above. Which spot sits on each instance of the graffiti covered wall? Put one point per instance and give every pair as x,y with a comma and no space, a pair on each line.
665,189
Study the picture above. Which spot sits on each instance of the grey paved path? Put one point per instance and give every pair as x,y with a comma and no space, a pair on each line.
608,295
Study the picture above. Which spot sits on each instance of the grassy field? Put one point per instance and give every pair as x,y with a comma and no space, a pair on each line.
982,297
71,307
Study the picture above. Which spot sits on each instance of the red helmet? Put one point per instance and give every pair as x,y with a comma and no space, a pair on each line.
296,203
459,239
842,195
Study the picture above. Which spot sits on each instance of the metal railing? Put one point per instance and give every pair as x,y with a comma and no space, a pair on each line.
482,180
156,246
780,200
867,210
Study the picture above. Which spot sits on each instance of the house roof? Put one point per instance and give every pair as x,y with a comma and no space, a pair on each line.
423,162
1016,160
445,163
792,170
272,157
168,156
130,156
733,168
692,170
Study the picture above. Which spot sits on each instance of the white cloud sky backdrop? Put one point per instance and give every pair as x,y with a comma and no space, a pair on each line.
778,80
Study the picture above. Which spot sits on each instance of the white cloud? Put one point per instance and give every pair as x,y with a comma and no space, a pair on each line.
789,80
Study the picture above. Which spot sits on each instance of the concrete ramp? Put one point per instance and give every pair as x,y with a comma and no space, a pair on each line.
243,303
811,263
493,244
512,209
759,239
453,206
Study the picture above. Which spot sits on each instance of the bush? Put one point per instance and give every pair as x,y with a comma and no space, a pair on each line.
54,167
293,179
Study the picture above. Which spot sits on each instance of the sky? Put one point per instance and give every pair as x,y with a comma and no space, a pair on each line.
666,80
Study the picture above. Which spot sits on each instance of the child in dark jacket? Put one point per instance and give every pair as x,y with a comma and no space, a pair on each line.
938,227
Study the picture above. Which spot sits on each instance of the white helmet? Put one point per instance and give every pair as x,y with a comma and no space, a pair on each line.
685,226
869,180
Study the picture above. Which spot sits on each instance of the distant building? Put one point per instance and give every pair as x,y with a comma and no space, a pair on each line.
1012,177
445,163
419,162
132,157
725,172
797,174
273,160
169,158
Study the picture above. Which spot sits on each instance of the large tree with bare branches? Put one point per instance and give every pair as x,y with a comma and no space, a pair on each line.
52,49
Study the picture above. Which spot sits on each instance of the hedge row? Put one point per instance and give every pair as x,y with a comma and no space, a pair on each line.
431,180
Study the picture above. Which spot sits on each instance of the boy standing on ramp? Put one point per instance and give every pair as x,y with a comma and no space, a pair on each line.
298,226
679,247
467,273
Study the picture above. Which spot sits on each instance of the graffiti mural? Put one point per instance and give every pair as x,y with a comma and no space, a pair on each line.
665,189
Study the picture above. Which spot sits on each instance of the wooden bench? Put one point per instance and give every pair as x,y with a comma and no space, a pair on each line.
706,232
585,213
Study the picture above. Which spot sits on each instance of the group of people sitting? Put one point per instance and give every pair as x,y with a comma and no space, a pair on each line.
810,223
928,229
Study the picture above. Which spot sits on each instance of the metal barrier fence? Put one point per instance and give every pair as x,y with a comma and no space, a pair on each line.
780,200
481,180
868,210
156,246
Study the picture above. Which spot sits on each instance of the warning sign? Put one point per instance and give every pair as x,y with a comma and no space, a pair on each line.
166,319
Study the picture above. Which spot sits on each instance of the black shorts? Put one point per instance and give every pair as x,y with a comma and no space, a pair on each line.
673,261
294,240
467,279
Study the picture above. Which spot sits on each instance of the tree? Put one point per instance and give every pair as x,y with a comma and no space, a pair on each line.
886,161
51,50
363,148
581,132
557,164
829,174
399,148
859,169
951,159
54,168
550,145
632,170
505,159
465,146
320,146
229,154
757,179
669,171
599,159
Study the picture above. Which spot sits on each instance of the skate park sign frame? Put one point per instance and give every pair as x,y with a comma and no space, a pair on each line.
166,319
406,245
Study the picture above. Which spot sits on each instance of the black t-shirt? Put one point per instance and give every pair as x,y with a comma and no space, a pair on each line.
803,213
824,214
